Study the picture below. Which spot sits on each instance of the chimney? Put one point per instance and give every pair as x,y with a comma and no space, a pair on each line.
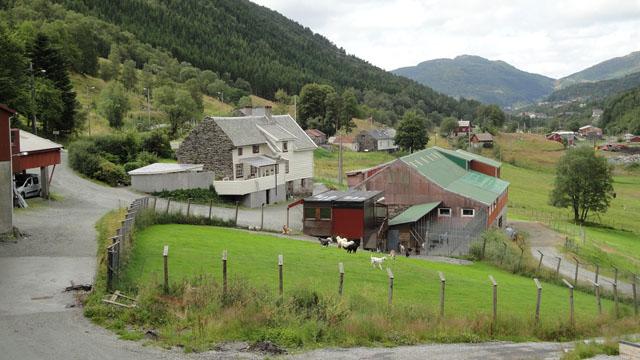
263,111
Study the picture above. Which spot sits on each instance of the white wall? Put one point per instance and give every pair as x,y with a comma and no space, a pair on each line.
300,165
172,181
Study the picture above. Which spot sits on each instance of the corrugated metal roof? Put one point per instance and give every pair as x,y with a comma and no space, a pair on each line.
33,143
413,213
343,196
453,176
468,156
164,168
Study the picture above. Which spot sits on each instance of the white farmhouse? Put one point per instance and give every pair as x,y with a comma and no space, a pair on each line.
257,159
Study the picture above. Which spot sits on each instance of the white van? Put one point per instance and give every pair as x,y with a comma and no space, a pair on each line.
27,185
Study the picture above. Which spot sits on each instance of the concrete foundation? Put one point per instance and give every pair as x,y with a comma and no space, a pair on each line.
6,198
267,197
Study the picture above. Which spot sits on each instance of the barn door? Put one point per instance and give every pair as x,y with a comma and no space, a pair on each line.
393,239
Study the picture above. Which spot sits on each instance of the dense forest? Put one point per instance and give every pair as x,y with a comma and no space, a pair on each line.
598,90
247,41
622,113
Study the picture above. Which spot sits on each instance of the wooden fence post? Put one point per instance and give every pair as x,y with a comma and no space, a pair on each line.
224,273
442,288
168,205
236,218
390,274
341,280
280,282
635,294
495,301
262,217
288,217
597,291
484,246
165,256
597,273
210,208
155,202
571,318
540,262
538,299
558,267
575,281
615,276
188,206
615,298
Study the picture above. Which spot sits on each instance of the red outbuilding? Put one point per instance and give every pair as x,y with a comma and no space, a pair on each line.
349,214
30,151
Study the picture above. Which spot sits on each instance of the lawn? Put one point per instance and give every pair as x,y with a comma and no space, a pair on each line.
326,162
195,250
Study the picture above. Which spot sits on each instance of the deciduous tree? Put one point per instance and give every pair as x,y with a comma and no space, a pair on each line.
411,134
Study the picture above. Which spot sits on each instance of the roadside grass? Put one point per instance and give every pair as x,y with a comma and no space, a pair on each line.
196,315
591,349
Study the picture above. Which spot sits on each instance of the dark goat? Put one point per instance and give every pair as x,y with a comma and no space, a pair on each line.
353,248
324,242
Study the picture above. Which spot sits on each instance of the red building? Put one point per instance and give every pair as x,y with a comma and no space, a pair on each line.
463,128
6,187
30,152
350,214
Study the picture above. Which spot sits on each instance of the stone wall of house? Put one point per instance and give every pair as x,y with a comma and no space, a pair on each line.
207,144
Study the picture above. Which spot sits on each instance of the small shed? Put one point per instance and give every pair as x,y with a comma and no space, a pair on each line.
349,214
161,176
410,227
317,136
482,140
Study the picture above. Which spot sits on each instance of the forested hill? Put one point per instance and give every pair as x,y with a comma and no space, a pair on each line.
609,69
622,113
478,78
259,45
598,90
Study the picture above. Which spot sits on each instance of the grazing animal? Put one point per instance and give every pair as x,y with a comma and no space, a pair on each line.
377,261
324,242
352,246
407,252
286,230
392,254
342,242
401,249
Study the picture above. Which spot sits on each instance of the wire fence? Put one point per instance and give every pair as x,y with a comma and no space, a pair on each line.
122,242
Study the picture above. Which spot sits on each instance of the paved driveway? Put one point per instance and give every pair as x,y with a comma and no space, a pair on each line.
36,321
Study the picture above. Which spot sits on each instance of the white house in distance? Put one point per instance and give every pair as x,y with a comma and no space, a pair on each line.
257,159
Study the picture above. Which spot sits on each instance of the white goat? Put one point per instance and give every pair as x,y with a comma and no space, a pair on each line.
342,242
401,249
377,261
392,254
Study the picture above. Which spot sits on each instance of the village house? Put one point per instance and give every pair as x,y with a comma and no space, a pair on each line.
463,128
317,136
590,132
347,141
438,200
559,135
257,159
377,140
482,140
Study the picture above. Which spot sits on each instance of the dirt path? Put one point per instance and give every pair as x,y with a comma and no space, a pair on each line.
547,241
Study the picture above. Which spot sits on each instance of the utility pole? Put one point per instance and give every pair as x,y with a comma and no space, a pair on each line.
148,109
89,88
295,107
340,152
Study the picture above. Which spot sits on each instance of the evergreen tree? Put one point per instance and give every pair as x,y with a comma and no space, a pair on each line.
13,66
47,58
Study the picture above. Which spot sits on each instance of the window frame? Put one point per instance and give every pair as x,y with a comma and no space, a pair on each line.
309,209
255,149
240,151
285,146
473,212
320,213
440,214
239,170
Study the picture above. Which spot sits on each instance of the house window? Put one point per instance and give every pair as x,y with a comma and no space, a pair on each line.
256,149
309,213
239,151
254,170
286,167
239,171
285,146
444,212
325,213
468,212
277,169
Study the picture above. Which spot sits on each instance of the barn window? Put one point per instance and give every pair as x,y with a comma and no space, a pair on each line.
256,149
468,212
310,213
239,151
444,212
325,213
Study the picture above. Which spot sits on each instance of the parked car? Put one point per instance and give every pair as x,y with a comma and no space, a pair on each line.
27,185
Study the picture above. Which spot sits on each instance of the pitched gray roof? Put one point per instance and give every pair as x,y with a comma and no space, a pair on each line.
248,130
381,134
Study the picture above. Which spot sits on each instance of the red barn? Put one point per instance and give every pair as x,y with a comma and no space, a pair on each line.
351,214
463,128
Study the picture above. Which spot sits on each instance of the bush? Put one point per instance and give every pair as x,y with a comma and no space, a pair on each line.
132,165
199,196
157,142
111,174
124,146
145,158
82,157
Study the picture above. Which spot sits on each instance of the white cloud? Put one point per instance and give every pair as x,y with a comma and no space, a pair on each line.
554,38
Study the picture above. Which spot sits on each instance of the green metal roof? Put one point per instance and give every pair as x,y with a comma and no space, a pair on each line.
468,156
450,173
413,213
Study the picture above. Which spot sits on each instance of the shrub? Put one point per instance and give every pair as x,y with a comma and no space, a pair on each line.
82,157
201,196
132,165
111,174
145,158
157,142
124,146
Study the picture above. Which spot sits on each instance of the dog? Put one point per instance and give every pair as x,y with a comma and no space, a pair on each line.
377,261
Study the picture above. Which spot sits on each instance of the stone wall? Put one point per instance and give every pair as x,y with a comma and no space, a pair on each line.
207,144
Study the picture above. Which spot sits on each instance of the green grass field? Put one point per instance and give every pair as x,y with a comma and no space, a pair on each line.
326,163
196,250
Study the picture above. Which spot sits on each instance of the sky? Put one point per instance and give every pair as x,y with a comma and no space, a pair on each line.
552,38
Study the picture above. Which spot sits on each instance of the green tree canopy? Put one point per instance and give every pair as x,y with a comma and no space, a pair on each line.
129,76
583,182
490,117
411,134
177,104
447,126
114,104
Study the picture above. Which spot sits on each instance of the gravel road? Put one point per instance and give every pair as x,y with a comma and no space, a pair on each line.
545,240
37,320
